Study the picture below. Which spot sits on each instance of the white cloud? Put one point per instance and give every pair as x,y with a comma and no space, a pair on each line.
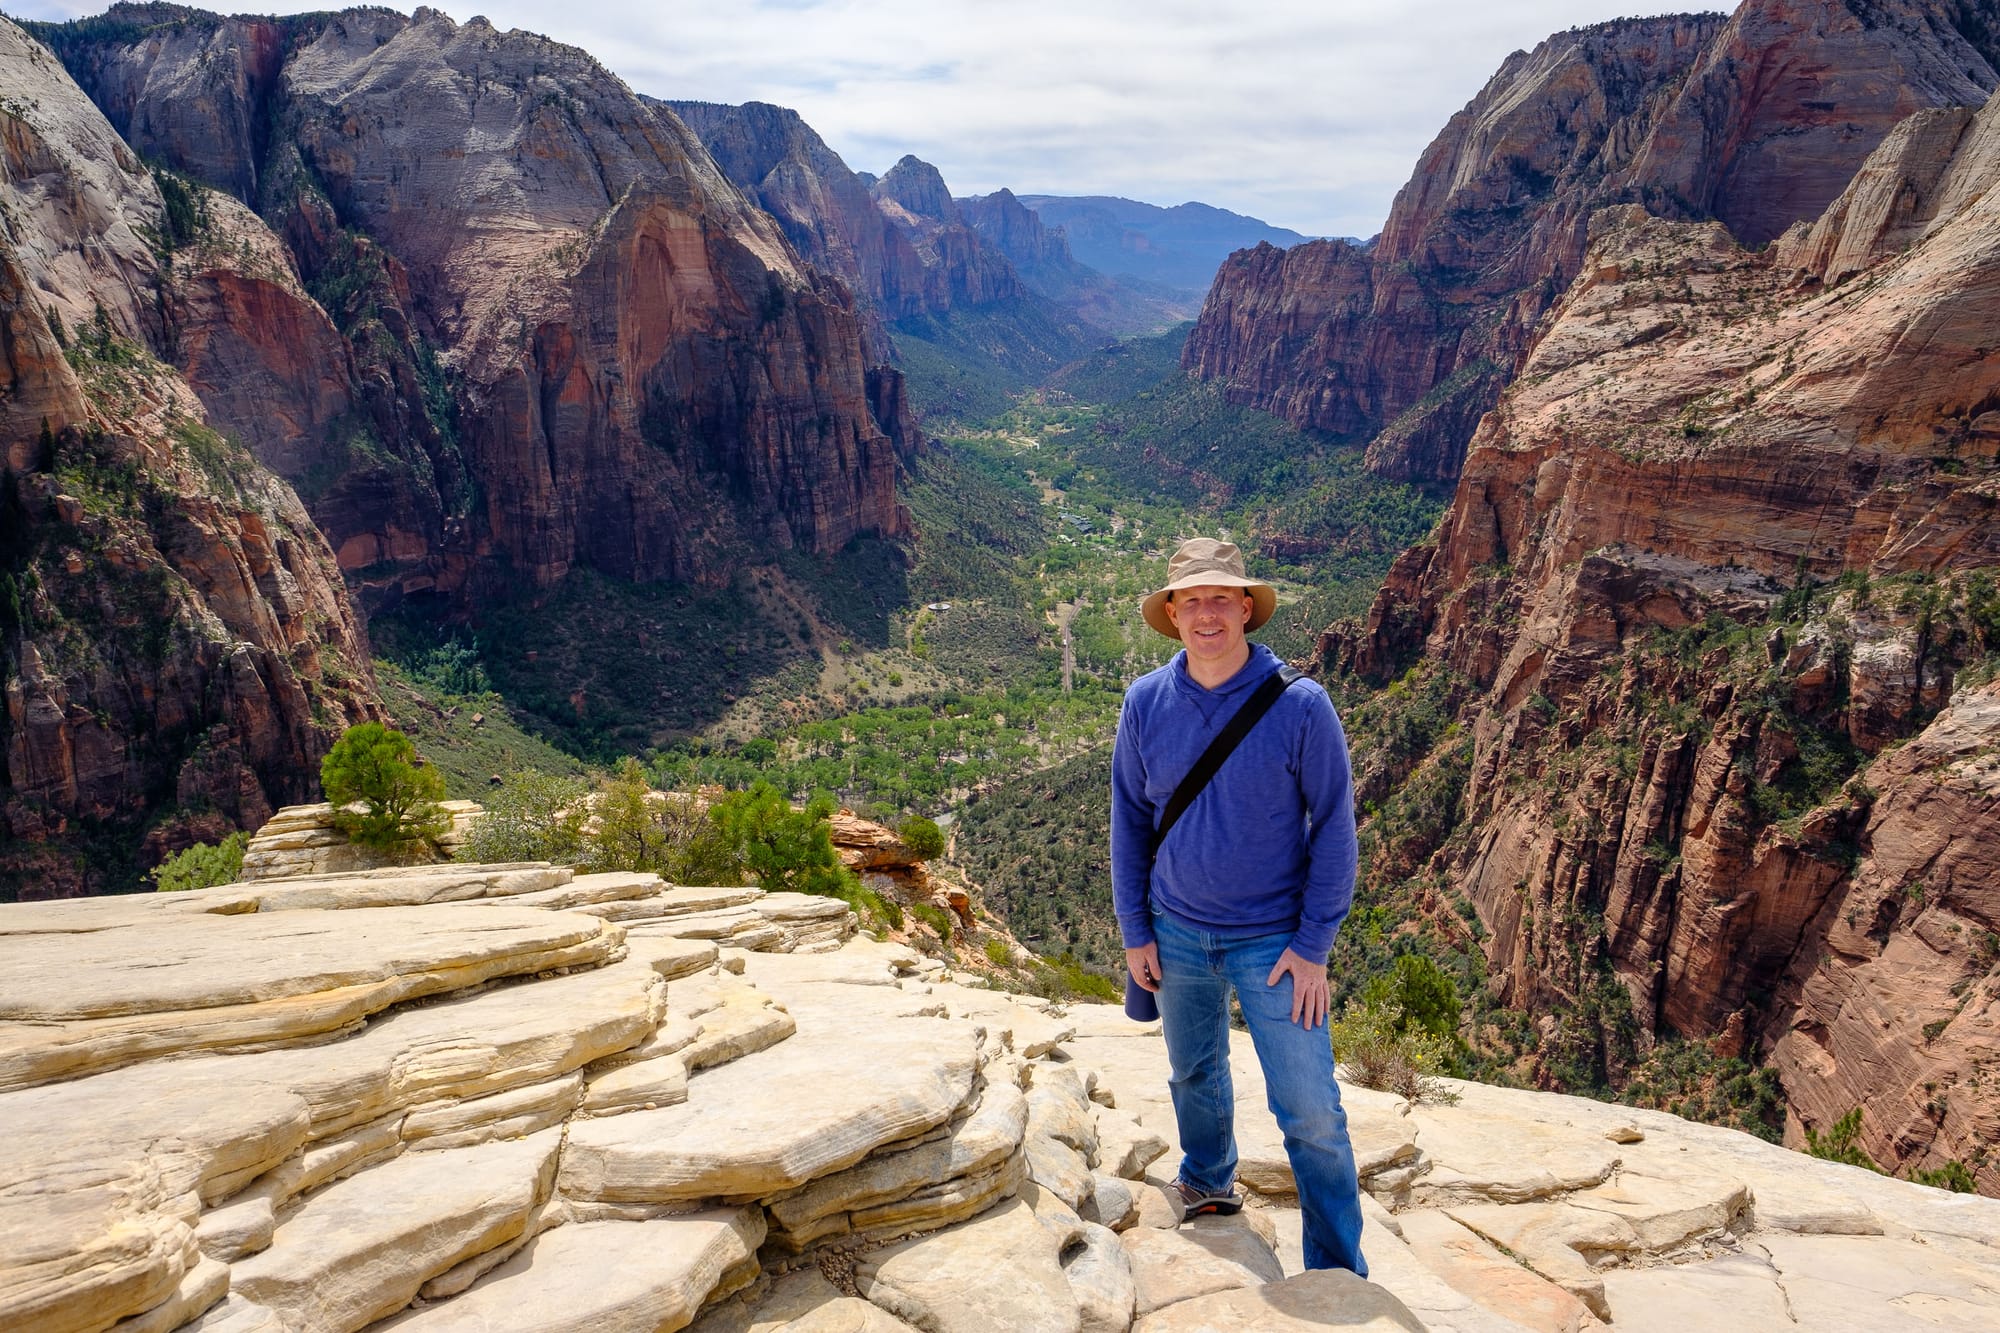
1307,113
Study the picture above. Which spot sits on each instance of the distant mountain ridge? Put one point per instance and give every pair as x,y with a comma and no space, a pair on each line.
1179,247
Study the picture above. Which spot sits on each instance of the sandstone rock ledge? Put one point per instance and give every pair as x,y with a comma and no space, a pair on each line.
510,1097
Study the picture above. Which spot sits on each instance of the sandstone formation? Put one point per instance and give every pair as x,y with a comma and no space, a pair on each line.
301,840
174,633
1758,122
1714,604
900,1156
569,340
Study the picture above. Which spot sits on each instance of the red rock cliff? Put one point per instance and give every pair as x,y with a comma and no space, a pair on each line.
1729,539
569,339
175,640
1758,121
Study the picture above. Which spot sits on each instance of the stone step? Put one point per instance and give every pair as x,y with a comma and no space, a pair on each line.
911,1189
1206,1255
609,1277
361,1249
762,1126
1309,1303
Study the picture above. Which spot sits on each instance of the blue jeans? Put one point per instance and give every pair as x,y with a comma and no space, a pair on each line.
1197,970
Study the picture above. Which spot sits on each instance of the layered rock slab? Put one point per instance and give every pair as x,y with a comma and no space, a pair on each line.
613,1277
199,981
999,1273
362,1248
757,1128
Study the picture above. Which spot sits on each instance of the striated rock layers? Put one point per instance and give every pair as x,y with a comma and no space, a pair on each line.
1758,121
560,337
174,632
512,1097
1716,602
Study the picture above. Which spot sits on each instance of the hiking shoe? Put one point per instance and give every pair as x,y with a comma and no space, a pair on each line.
1197,1202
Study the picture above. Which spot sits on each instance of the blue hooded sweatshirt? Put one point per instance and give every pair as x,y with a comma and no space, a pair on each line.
1268,845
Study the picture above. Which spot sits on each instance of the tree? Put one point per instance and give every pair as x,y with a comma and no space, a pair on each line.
377,767
787,850
633,827
922,836
532,816
203,865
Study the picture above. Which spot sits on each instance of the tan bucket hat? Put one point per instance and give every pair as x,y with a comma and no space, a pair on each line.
1202,562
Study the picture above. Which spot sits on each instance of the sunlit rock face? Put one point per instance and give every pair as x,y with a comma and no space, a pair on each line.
1758,120
471,1097
568,339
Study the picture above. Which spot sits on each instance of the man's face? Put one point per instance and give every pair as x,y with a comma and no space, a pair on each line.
1211,619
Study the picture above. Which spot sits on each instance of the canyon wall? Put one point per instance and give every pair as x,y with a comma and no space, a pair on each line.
1758,121
175,639
1715,607
565,339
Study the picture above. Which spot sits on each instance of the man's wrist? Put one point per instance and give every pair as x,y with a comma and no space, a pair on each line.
1137,934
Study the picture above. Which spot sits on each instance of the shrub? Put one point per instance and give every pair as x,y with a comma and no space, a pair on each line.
998,954
922,836
453,668
532,816
935,917
1380,1049
633,827
786,850
203,865
378,767
1064,978
1952,1176
1839,1144
1424,993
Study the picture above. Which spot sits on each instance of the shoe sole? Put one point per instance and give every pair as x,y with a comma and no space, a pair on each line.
1214,1210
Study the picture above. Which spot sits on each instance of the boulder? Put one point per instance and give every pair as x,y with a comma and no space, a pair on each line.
999,1273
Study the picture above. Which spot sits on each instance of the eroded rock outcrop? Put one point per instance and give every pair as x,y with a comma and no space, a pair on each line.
1726,544
1758,121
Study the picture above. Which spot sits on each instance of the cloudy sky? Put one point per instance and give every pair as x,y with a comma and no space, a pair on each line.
1306,113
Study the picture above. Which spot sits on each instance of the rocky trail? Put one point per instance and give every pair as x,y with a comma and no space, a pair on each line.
513,1097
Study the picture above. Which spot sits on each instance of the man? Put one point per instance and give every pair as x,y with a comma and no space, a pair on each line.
1246,892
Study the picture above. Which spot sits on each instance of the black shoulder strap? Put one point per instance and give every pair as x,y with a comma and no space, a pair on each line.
1221,747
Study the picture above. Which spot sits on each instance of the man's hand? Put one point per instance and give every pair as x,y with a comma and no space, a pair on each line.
1309,990
1144,965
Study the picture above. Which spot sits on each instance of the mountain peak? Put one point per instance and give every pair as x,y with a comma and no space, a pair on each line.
917,187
